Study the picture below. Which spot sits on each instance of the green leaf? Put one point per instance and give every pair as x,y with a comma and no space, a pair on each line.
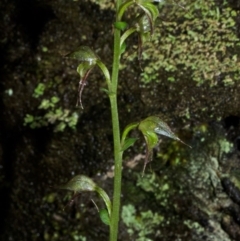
39,90
104,216
60,127
105,90
45,104
123,47
171,79
120,25
152,9
105,198
28,119
123,7
126,34
128,142
55,99
104,69
73,119
127,129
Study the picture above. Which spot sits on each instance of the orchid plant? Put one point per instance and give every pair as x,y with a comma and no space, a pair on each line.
150,127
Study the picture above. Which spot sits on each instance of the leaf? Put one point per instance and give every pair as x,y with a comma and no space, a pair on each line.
120,25
39,90
152,9
55,99
123,7
105,90
125,35
123,47
104,69
60,127
105,198
128,142
127,129
104,216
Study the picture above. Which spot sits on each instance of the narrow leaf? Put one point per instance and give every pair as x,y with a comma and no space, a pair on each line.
104,69
126,34
120,25
128,142
123,7
105,198
123,47
103,213
127,129
105,90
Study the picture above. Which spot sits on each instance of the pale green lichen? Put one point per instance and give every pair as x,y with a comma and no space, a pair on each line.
142,224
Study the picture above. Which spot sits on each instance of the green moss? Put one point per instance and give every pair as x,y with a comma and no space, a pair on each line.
197,45
143,224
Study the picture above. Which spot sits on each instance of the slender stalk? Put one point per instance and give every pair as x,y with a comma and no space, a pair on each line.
116,136
117,171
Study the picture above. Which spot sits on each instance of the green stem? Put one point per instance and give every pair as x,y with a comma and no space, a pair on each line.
116,135
117,170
